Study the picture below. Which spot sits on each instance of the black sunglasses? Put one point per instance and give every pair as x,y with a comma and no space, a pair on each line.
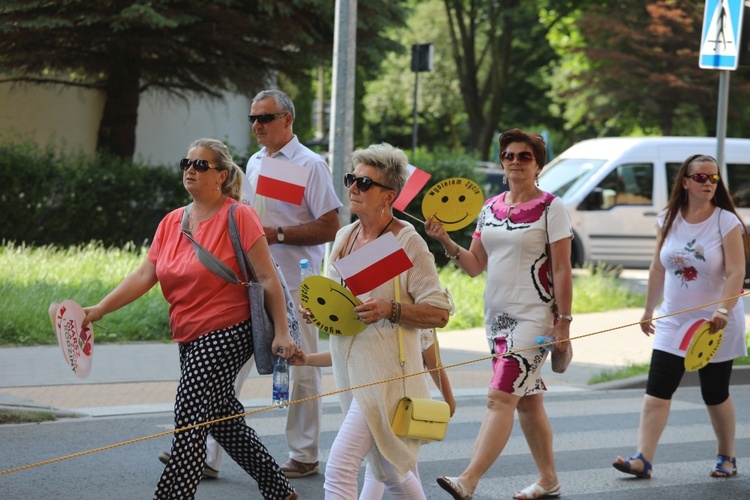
523,156
198,165
363,183
264,118
702,178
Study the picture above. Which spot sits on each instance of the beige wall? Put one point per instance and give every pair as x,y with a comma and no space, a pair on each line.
52,113
166,125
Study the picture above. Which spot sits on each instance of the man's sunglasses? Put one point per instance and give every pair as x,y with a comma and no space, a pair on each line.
265,118
702,178
198,165
363,183
523,156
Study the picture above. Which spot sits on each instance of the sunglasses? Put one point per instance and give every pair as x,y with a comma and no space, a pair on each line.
523,156
198,165
702,178
265,118
363,183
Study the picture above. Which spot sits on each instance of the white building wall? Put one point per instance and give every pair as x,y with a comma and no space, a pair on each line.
166,125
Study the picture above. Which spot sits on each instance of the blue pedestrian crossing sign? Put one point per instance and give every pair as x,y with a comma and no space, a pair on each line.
720,37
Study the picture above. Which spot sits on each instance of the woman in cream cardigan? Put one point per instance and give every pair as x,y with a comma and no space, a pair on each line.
373,355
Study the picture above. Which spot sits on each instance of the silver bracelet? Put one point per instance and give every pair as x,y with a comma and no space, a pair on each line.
565,316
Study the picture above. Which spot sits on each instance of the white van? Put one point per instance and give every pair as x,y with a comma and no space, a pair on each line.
615,187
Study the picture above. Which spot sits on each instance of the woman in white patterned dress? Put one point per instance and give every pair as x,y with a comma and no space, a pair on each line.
511,242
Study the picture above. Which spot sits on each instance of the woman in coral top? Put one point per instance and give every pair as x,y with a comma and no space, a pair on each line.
210,319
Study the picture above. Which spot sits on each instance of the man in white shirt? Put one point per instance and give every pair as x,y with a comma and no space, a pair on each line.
294,232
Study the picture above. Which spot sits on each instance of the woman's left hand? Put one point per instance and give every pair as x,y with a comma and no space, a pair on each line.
718,322
284,342
373,310
561,331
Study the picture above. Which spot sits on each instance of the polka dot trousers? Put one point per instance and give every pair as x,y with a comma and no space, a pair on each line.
208,368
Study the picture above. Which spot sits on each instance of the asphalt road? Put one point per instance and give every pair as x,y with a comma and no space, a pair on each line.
591,428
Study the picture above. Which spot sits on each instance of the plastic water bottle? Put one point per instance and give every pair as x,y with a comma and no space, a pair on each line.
543,339
305,270
280,383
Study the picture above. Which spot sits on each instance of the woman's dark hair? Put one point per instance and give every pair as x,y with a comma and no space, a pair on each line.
678,198
535,141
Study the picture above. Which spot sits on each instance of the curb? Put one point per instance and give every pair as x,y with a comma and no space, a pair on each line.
740,376
43,409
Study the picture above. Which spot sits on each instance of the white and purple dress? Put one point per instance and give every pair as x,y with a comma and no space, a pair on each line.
517,296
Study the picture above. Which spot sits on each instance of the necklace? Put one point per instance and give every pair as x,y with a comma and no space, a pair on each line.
196,219
360,229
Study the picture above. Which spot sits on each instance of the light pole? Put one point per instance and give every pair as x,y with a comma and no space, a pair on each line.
421,60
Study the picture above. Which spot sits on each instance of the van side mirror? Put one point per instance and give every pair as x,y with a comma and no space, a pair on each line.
594,200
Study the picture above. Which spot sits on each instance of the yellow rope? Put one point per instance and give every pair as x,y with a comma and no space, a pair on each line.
385,381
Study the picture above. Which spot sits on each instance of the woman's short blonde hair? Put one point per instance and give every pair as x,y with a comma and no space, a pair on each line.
386,158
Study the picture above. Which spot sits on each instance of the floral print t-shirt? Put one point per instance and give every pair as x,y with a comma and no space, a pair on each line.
693,260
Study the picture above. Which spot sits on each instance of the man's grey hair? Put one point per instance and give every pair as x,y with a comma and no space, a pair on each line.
283,102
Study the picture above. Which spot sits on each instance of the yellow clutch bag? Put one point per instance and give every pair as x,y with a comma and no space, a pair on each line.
425,419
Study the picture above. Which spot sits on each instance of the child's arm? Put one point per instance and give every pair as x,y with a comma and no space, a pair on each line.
315,359
439,377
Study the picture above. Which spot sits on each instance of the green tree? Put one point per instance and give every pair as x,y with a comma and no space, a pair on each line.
389,98
203,47
632,68
500,49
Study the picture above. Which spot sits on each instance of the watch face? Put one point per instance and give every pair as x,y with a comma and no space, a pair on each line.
279,235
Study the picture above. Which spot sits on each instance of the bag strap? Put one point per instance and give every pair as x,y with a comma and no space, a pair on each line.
402,354
246,267
549,248
213,263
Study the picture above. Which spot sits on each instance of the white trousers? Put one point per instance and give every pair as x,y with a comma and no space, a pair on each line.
303,420
352,444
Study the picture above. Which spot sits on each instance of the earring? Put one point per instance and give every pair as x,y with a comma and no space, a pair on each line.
536,180
505,181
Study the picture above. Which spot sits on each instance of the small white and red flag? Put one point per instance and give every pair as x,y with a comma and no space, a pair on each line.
415,181
373,264
282,180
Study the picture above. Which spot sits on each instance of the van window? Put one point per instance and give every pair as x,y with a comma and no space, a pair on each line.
628,184
562,174
739,183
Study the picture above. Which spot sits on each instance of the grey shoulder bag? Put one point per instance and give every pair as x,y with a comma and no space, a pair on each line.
261,323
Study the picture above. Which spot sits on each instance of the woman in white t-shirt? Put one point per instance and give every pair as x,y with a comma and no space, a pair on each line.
700,259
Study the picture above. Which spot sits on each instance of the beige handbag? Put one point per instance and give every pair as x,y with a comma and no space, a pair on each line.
419,418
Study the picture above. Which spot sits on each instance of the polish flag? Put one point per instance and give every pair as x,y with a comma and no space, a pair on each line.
373,264
415,181
689,330
282,180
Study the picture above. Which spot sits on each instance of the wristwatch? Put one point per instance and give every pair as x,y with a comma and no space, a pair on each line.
565,316
723,310
280,235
